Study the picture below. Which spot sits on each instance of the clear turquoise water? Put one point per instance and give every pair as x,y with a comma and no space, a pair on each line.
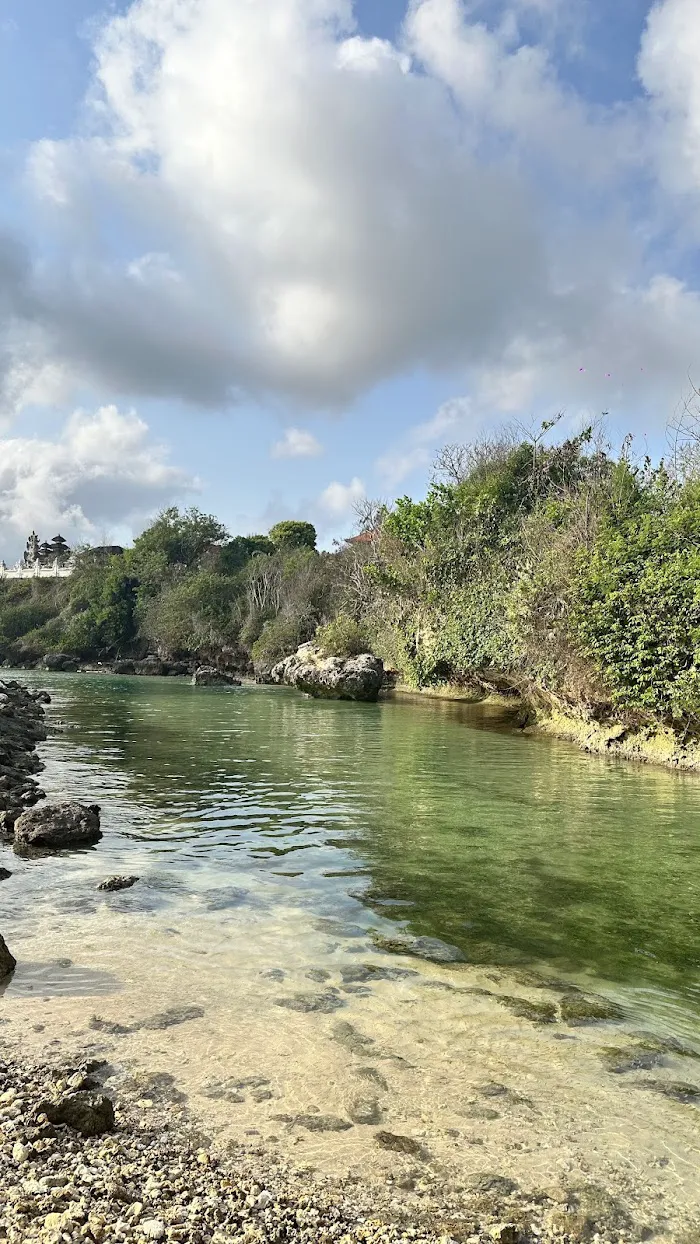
425,816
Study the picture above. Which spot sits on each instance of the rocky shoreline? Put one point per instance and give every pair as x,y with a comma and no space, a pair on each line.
132,1165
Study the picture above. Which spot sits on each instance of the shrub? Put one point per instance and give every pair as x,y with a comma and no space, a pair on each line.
342,637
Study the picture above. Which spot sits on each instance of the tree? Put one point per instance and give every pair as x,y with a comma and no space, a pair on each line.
179,539
293,534
233,556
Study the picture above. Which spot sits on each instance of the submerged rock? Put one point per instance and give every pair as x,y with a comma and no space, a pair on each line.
333,678
5,874
91,1114
209,676
8,963
306,1002
577,1009
118,883
315,1122
397,1144
430,948
57,825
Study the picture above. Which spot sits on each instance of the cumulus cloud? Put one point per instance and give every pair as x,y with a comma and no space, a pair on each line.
104,473
331,210
337,500
297,443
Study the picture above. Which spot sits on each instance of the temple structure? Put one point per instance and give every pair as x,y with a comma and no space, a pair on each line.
50,559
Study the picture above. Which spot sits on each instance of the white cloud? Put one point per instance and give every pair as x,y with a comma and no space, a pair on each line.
668,68
337,500
102,473
454,420
329,211
297,443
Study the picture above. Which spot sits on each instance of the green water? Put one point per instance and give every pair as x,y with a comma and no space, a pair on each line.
426,816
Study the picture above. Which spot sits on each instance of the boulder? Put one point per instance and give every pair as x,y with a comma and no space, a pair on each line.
117,883
57,825
209,676
123,667
332,678
150,665
8,963
61,661
91,1114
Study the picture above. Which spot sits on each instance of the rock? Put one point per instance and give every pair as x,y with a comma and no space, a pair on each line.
21,1153
315,1122
208,676
57,825
123,667
577,1009
334,678
323,1002
365,1109
397,1144
5,874
538,1012
118,883
61,661
40,697
91,1114
153,1229
150,665
430,948
8,963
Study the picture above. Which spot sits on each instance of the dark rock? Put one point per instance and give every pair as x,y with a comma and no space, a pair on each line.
397,1144
677,1090
209,676
8,963
633,1058
365,1110
348,1036
57,825
538,1012
4,874
61,661
151,665
174,1015
430,948
91,1114
323,1002
40,697
371,1073
498,1184
123,667
118,883
578,1009
320,975
315,1122
334,678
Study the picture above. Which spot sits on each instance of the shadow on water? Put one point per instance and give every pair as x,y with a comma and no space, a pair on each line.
517,850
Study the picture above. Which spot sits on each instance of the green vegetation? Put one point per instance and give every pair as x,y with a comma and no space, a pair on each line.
555,570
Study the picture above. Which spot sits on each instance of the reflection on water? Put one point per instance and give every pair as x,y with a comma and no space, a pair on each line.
262,807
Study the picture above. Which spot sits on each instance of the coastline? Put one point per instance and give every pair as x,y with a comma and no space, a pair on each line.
654,745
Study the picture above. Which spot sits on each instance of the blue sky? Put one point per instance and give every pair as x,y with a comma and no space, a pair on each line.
264,262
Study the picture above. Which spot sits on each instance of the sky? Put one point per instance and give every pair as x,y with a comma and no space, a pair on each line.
265,257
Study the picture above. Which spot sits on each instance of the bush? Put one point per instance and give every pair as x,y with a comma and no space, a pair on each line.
280,637
343,637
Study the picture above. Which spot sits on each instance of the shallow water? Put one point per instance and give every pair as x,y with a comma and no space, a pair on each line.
427,816
273,835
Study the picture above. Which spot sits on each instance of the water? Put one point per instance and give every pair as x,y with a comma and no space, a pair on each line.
276,836
426,816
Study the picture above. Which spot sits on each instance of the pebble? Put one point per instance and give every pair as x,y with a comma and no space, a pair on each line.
153,1229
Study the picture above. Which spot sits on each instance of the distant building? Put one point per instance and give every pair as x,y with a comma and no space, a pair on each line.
365,537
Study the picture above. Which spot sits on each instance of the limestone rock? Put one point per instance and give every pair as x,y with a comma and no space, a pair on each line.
209,676
61,661
333,678
8,963
91,1114
124,667
57,825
